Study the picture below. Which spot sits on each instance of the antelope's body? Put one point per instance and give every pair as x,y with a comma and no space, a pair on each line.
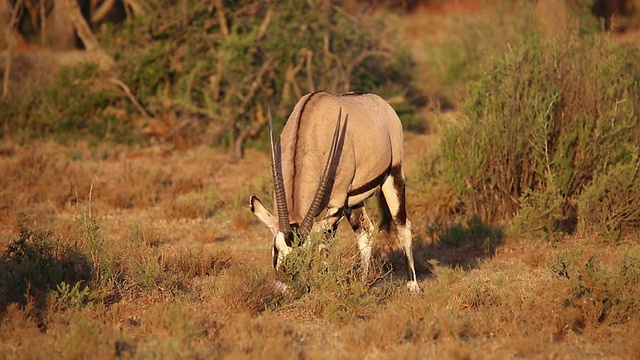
335,152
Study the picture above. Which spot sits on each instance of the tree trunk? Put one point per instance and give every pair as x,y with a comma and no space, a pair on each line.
91,44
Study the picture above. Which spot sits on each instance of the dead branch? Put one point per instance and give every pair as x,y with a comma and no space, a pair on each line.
131,96
224,28
134,6
102,11
253,128
91,43
250,131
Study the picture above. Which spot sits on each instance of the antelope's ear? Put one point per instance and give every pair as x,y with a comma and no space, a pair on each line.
263,214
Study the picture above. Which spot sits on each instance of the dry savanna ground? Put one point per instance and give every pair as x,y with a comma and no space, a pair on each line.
182,270
153,252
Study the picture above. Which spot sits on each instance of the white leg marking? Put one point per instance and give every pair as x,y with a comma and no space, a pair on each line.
394,193
362,226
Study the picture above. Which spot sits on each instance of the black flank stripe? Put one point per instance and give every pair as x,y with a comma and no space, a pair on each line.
370,185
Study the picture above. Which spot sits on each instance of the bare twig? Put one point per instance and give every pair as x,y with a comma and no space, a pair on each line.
224,28
130,95
309,61
43,22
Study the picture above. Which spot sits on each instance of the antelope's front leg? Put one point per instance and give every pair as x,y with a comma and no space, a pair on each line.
362,226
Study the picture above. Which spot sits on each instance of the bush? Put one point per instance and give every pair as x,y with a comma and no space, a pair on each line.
333,282
36,263
218,67
542,122
473,234
72,106
610,205
605,290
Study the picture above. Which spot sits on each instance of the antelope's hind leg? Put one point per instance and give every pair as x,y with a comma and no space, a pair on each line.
362,226
393,191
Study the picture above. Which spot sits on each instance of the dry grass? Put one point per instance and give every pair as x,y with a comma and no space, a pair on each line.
162,289
163,259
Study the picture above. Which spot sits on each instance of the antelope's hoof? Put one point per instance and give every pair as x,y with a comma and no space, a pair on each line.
413,286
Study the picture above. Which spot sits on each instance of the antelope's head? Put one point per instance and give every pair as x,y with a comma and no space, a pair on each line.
283,231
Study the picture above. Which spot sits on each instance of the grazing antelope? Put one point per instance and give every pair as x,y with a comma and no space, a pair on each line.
324,162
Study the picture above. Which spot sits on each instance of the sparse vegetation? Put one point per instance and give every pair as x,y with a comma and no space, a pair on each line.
115,247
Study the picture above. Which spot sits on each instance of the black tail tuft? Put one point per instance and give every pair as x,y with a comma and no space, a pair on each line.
385,222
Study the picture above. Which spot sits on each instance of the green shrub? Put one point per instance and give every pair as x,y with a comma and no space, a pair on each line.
219,66
36,263
333,281
610,204
605,290
543,120
72,106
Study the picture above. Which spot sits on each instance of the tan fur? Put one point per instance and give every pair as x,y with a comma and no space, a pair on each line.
372,144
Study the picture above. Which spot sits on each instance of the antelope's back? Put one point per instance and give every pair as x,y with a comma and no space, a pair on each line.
372,144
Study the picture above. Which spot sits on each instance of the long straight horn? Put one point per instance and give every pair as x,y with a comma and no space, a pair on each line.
278,184
307,222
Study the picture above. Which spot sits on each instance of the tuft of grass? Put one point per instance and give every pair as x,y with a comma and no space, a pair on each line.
332,281
195,205
197,263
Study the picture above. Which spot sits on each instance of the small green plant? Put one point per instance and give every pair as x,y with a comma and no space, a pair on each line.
604,291
69,297
333,281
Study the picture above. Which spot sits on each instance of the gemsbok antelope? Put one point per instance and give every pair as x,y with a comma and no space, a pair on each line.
335,151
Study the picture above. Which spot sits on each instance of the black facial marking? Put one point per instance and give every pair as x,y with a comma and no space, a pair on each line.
288,238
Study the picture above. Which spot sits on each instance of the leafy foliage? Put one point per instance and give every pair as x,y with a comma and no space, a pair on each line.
219,66
610,205
332,278
72,106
